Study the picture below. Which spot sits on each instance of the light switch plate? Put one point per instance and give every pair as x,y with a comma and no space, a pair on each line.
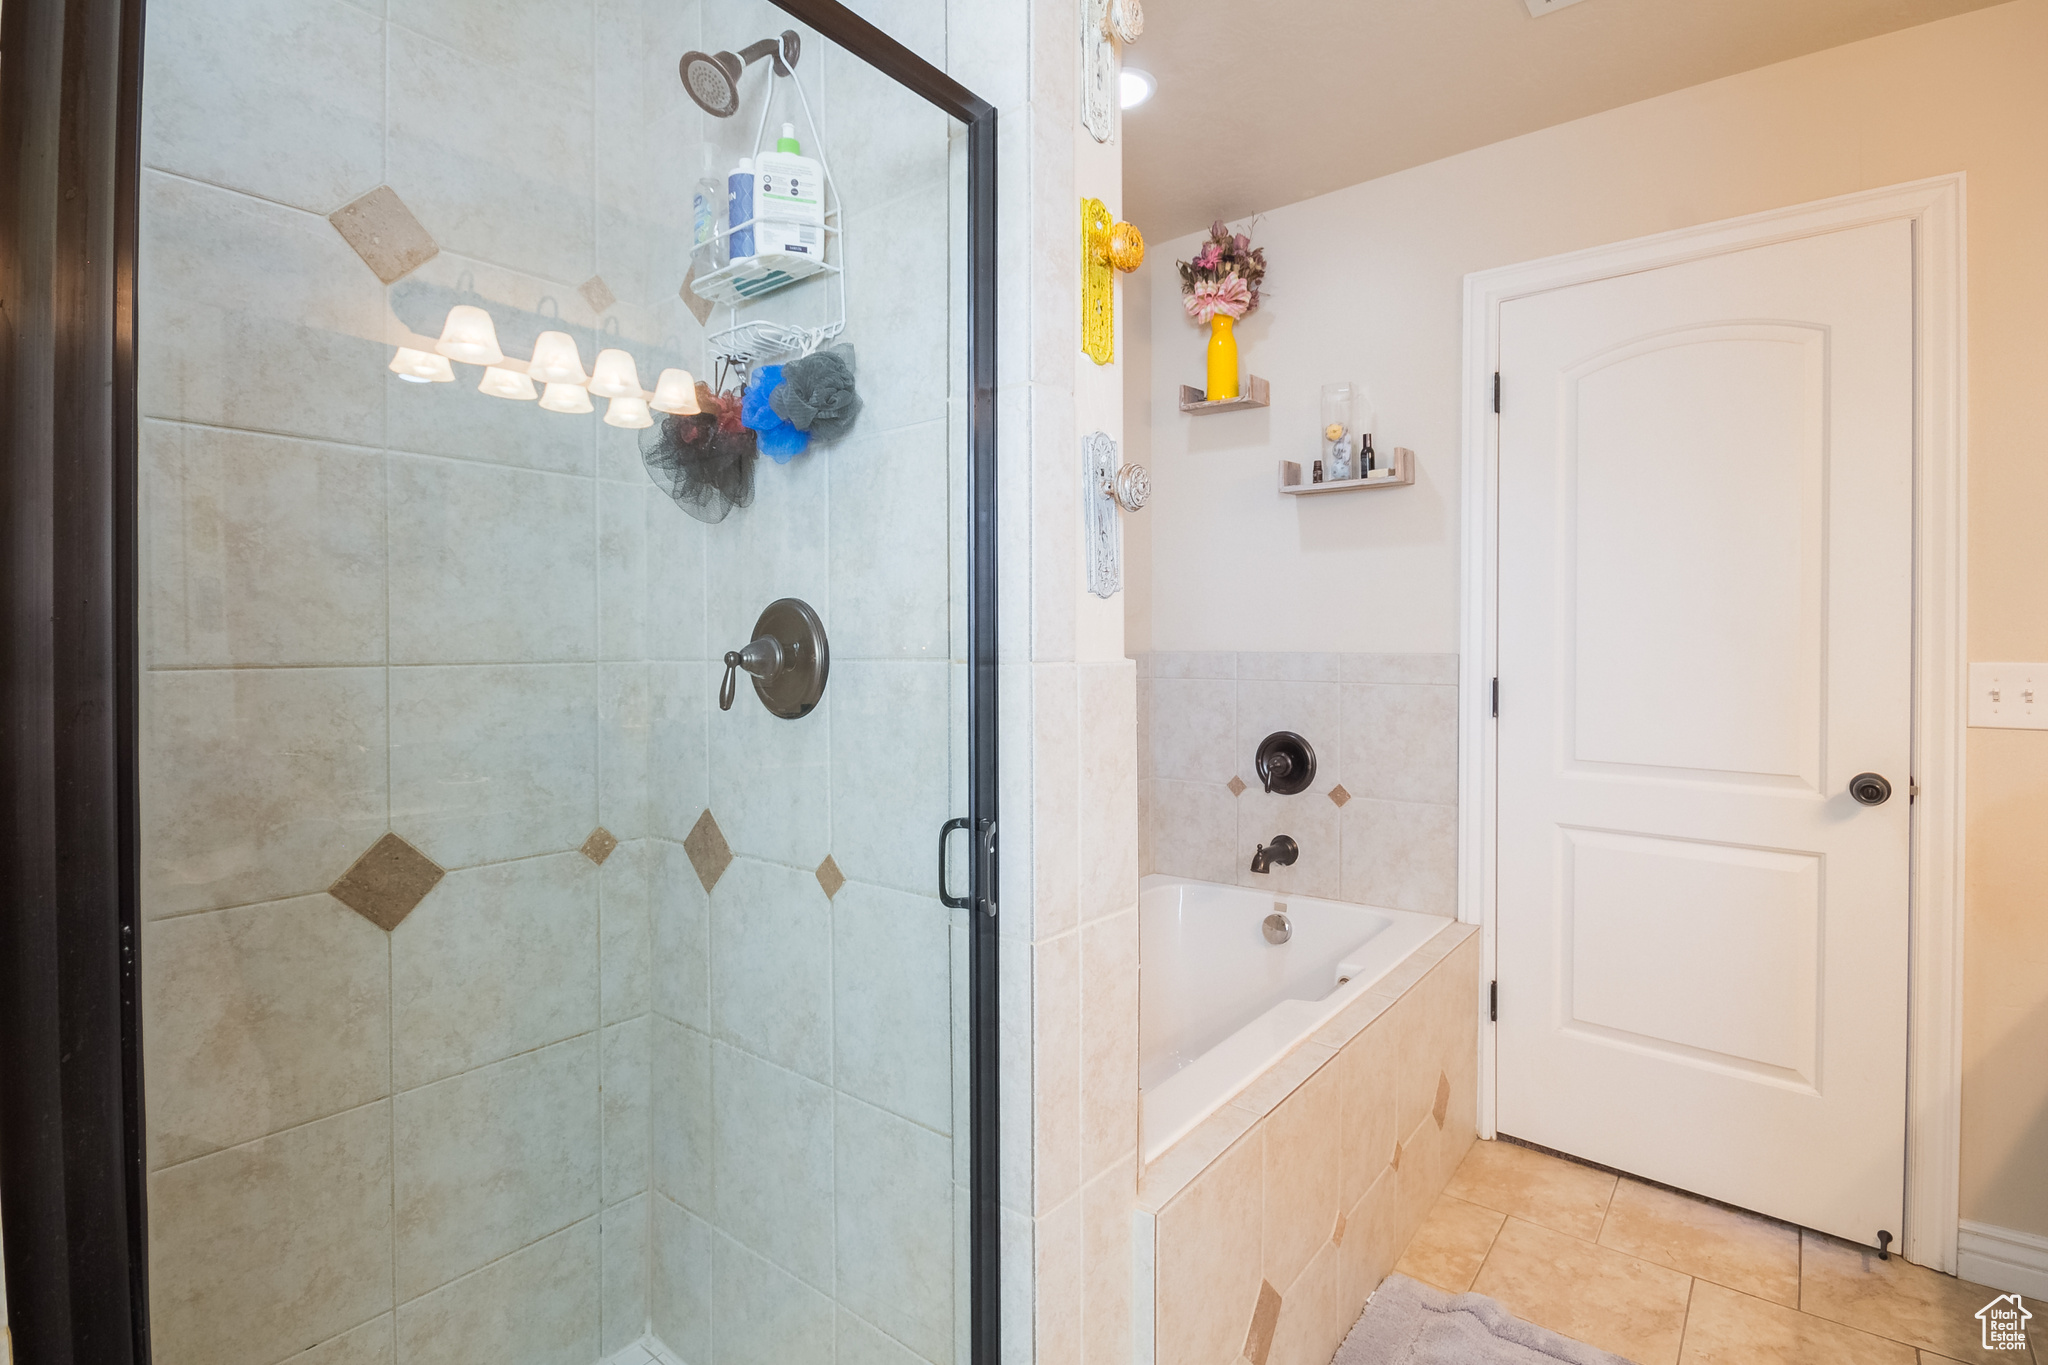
2009,696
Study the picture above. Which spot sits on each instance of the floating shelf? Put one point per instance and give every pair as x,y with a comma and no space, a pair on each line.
1257,394
1403,467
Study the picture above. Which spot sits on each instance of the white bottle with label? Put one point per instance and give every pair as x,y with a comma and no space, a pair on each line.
789,197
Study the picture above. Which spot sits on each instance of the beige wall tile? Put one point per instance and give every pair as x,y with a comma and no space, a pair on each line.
373,1343
1409,669
1192,730
1402,855
537,1306
518,585
891,737
1283,1078
1316,1311
1106,1265
1109,1042
1374,1236
1743,1251
261,550
770,779
257,315
1301,1175
448,159
1312,820
1194,830
1056,1058
625,929
1055,800
1281,665
260,1248
627,1058
893,1007
1313,710
890,593
862,1343
622,568
1209,1260
1895,1298
626,1260
676,575
894,1198
1192,1154
1401,743
1056,1288
680,911
680,1295
1587,1292
772,1154
258,784
771,965
678,746
1451,1244
1723,1327
223,109
1367,1068
259,1019
1108,798
492,1160
1546,1190
761,1315
681,1109
497,960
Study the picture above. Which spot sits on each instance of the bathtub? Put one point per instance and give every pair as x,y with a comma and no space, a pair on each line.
1218,1004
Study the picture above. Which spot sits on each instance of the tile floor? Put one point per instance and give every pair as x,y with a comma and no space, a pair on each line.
1665,1279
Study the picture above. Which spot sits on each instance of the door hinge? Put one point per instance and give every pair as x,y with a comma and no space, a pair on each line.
1912,791
1496,698
1496,391
1493,1002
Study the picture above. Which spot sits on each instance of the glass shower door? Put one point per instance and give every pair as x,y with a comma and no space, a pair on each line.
542,953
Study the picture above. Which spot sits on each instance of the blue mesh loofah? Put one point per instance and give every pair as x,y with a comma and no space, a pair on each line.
778,440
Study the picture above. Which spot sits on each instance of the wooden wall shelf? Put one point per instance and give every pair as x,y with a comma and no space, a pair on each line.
1292,478
1256,394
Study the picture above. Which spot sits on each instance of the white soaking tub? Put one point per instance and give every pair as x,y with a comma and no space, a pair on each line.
1218,1004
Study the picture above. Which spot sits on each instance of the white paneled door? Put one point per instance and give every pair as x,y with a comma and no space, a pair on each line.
1706,538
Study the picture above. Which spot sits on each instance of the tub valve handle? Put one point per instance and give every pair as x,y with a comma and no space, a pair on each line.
1283,850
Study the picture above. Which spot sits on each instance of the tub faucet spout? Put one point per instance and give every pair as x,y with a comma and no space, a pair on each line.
1283,850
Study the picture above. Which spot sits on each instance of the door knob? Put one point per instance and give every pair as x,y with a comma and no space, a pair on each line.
1870,789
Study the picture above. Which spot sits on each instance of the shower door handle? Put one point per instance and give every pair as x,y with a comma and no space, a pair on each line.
945,883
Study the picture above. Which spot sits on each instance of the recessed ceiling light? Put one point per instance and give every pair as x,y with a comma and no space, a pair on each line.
1134,87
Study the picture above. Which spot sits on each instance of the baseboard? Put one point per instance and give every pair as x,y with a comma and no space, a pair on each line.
2004,1258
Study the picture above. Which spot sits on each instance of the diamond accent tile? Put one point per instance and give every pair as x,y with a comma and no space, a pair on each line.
385,234
600,844
1396,1162
830,877
709,853
386,883
1339,795
597,293
699,306
1337,1233
1265,1318
1443,1098
1236,785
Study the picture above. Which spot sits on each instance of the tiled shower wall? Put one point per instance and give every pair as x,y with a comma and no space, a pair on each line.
1379,824
573,1089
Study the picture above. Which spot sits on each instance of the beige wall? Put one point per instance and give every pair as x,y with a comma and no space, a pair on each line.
1366,284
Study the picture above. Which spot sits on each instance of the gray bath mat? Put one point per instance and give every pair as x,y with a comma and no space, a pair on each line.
1408,1323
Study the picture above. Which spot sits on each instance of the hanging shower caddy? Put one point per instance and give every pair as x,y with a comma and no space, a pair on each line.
744,282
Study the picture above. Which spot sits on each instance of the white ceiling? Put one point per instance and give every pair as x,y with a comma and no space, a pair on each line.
1267,102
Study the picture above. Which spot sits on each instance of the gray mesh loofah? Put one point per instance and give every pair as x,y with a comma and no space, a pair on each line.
817,393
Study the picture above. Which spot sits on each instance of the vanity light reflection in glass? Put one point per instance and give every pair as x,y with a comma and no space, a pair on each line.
554,375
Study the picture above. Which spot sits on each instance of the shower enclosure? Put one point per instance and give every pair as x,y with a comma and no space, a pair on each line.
483,989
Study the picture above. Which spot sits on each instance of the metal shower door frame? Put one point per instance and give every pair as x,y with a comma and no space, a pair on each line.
71,1118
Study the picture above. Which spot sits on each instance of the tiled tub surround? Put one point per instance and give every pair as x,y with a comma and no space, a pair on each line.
700,1078
1261,1233
1378,826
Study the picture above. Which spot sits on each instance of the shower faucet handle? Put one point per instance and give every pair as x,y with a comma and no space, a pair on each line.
762,658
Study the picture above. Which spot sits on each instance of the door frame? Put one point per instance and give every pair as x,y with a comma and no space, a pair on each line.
1935,207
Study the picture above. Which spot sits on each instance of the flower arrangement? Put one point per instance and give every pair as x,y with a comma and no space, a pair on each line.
1224,277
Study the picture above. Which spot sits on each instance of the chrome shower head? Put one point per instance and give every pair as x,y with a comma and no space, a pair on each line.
713,79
